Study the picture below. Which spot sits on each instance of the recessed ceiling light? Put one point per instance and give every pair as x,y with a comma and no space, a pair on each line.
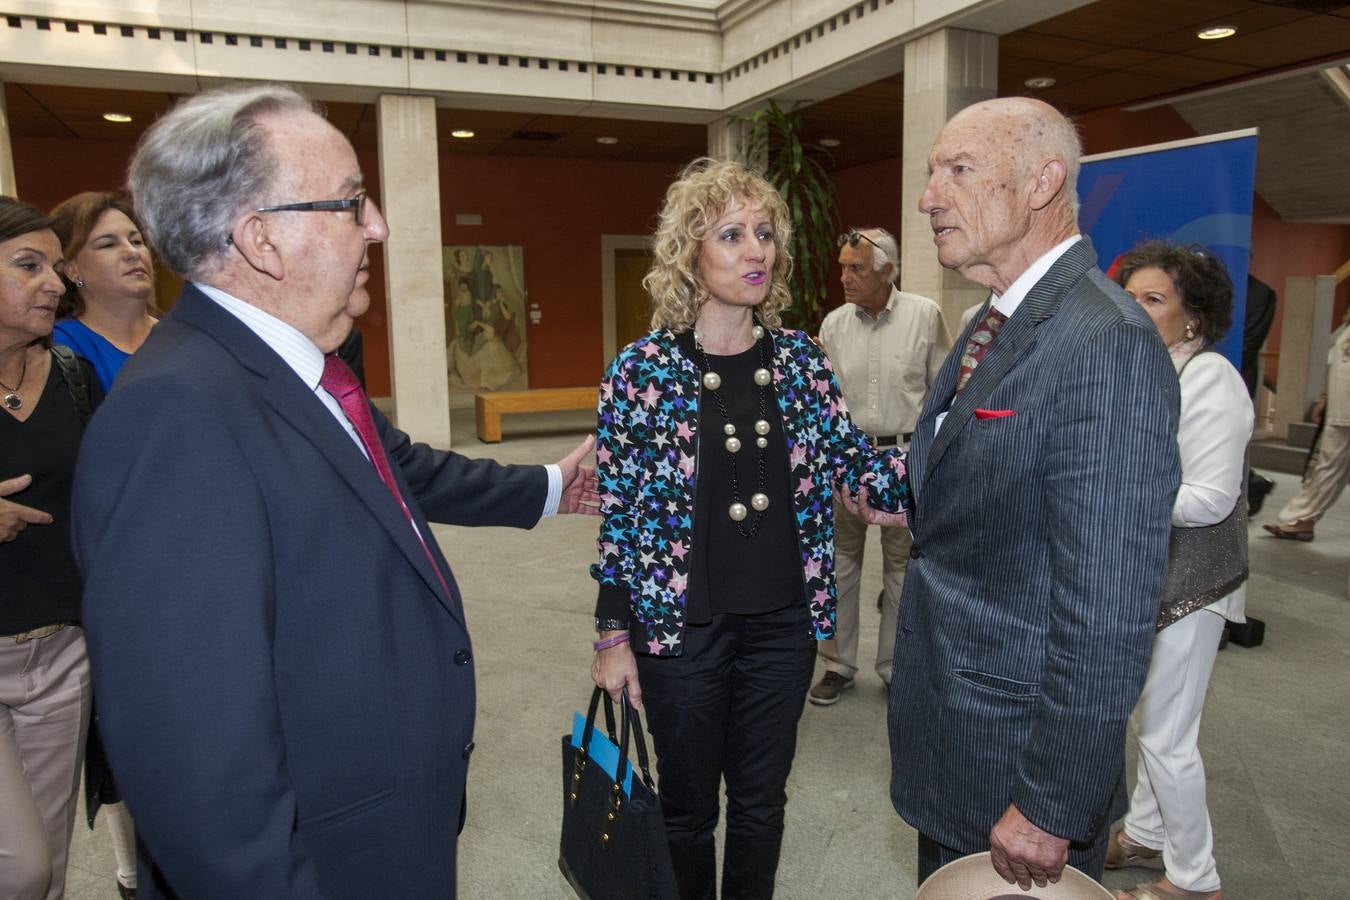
1217,33
606,139
830,142
1037,84
120,118
462,133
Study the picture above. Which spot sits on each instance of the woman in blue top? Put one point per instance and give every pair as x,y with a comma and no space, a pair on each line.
110,281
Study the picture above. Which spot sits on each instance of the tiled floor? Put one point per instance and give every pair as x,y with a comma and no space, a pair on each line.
1276,733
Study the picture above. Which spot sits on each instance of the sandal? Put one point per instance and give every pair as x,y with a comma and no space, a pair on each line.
1124,851
1162,889
1290,533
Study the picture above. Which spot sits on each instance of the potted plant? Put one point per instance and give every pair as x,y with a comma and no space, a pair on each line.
772,143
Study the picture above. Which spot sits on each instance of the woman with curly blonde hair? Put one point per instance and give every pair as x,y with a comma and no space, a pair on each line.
721,438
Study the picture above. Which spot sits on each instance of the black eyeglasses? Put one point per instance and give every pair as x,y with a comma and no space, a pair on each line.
852,237
356,203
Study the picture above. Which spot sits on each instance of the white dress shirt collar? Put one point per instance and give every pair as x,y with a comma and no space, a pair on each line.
1018,290
298,351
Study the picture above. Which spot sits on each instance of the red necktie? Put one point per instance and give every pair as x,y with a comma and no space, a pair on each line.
340,381
977,345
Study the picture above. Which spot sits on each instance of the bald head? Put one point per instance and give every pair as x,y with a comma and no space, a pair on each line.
1033,131
1002,188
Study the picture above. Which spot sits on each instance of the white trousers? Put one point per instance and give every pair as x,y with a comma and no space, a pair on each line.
1167,808
850,541
1325,482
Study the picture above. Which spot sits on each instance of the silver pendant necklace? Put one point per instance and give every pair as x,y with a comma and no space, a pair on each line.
12,400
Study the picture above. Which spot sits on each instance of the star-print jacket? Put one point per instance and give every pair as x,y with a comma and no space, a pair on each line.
647,444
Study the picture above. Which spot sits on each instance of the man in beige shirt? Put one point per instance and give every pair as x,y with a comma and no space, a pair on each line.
886,347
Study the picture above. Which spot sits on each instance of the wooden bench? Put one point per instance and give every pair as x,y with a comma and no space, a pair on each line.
490,407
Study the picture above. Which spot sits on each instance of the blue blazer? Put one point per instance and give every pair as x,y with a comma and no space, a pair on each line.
285,689
1040,548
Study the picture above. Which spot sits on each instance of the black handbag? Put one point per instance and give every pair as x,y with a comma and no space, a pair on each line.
613,847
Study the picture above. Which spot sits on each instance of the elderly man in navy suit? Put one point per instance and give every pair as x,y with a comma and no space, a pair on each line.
1043,466
285,681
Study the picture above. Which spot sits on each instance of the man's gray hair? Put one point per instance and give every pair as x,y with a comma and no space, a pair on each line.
200,165
884,251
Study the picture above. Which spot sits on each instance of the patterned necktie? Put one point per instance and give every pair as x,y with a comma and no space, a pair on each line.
977,345
340,381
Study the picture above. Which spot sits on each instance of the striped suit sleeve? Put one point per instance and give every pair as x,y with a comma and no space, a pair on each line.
1113,473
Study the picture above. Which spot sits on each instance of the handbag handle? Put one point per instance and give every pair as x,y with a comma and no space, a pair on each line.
644,765
630,723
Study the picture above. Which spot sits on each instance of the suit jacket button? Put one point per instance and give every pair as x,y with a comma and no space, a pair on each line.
468,751
915,552
462,657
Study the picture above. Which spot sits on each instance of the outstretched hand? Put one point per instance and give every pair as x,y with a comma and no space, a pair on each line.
580,488
859,506
15,517
1022,852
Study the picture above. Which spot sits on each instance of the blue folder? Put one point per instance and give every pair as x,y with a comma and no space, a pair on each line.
602,750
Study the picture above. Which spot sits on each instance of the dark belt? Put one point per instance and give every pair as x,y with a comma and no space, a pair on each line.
891,440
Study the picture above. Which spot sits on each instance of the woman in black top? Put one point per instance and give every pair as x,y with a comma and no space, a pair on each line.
44,673
721,437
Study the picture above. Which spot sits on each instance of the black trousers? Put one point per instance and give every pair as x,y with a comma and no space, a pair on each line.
1090,859
728,708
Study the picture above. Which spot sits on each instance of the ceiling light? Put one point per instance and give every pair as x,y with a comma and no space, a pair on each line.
462,133
1037,84
120,118
1217,33
606,139
831,143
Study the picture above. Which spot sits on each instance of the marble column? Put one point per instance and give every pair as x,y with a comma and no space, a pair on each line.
724,138
944,72
413,281
1305,338
8,184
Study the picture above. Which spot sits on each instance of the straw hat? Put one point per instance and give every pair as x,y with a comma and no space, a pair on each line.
974,878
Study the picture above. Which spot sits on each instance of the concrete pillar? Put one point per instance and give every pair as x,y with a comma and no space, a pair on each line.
944,72
414,284
1305,338
8,184
724,138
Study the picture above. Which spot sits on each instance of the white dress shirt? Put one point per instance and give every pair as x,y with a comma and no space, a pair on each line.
306,360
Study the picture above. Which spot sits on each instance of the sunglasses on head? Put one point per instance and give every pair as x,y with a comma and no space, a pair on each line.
852,237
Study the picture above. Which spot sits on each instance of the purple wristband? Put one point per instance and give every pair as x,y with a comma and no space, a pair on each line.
611,641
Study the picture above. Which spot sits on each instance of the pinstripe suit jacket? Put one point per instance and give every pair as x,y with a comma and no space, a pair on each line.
1040,547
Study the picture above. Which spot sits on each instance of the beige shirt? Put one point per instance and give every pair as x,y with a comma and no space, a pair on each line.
886,365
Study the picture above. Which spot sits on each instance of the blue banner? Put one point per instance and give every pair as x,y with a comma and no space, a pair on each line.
1187,192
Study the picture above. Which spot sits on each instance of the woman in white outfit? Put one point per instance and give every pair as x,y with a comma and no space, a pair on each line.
1189,296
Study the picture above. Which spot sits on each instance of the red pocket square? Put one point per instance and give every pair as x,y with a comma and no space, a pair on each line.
994,413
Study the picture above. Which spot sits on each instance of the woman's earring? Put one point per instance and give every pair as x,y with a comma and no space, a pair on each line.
1190,332
79,283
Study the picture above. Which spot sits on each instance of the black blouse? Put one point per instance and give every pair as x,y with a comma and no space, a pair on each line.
39,583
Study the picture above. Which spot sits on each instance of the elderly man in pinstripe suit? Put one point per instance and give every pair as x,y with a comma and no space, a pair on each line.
1044,467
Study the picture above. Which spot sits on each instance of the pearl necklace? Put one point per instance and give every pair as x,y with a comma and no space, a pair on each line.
712,381
12,400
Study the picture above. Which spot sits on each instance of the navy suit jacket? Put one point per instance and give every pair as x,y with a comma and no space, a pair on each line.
1040,548
285,689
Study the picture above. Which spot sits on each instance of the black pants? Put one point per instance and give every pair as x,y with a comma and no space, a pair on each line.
728,708
1090,859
